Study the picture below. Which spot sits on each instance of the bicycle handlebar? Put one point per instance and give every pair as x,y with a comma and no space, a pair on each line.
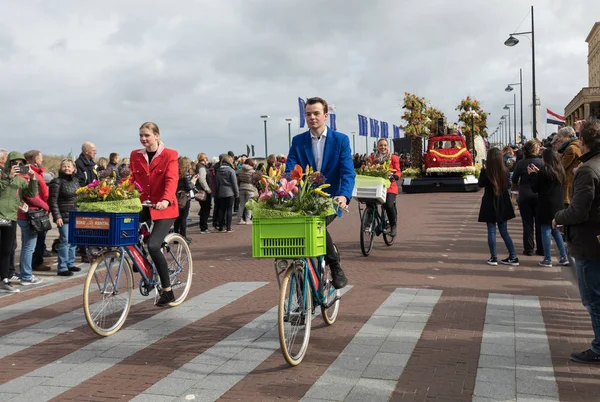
148,204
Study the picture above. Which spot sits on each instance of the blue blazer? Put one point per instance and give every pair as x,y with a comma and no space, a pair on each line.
337,166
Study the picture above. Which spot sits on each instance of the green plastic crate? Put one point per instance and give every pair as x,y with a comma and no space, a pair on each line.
288,237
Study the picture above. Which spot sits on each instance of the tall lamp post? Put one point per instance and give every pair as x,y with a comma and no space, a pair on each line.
509,88
353,142
289,121
512,41
265,117
507,107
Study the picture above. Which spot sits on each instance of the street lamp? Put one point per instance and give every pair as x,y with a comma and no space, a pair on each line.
509,88
507,107
265,117
289,121
353,141
512,41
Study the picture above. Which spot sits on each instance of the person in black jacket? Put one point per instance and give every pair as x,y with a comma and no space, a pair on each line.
548,184
184,186
528,200
85,164
62,200
496,207
582,230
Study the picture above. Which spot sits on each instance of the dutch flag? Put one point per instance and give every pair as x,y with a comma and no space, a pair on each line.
554,118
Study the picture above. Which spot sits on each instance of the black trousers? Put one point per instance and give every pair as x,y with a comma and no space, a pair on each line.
390,208
40,249
528,208
155,241
11,261
216,209
225,212
205,212
180,224
330,254
7,239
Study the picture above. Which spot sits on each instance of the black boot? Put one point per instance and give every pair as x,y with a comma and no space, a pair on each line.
165,298
393,231
338,279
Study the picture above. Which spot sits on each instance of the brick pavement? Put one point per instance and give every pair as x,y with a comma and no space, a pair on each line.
440,247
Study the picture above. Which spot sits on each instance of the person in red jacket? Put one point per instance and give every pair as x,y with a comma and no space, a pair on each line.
383,154
156,170
35,160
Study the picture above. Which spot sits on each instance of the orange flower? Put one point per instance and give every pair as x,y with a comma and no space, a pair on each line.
297,173
104,190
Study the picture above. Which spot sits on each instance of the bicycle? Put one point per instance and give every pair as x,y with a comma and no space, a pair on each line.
306,283
106,308
372,222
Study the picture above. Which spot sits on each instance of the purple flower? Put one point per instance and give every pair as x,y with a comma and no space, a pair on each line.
317,179
93,184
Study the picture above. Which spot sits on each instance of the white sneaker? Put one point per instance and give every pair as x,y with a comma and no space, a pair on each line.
14,278
241,222
6,287
33,281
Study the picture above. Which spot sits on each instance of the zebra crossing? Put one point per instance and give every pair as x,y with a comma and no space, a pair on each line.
514,362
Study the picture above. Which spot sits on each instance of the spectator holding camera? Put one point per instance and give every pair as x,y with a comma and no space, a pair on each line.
582,231
16,181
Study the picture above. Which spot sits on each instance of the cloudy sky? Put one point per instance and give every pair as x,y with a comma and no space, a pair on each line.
204,71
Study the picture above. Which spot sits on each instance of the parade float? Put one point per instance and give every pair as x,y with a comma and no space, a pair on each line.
446,165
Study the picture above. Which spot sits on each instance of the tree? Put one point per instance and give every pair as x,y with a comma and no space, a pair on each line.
417,126
434,115
472,117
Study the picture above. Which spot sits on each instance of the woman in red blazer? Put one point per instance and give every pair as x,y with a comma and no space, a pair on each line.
383,154
155,169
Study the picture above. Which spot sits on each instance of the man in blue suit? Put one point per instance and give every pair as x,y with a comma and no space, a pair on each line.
328,152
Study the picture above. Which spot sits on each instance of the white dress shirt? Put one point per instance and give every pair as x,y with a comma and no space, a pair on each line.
318,147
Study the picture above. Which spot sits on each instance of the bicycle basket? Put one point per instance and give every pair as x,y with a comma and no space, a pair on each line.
296,237
107,229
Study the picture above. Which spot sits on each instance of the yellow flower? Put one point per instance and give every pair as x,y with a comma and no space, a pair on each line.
322,186
321,192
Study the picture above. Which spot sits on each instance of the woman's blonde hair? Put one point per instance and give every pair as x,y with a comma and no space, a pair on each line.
228,160
69,161
154,128
201,156
185,166
102,163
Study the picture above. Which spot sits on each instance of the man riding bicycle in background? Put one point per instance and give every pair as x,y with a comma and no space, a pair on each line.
328,152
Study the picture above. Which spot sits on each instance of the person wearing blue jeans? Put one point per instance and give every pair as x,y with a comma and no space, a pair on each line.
547,233
66,252
496,206
503,229
28,243
582,230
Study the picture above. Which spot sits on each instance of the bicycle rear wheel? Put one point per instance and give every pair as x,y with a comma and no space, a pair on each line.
367,231
329,293
387,237
294,315
179,260
107,293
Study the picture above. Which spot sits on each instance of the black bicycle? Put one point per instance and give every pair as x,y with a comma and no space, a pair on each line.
373,222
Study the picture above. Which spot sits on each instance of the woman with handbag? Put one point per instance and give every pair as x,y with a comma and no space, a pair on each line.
184,186
203,192
63,199
16,182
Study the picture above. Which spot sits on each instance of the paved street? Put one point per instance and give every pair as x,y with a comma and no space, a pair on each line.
424,320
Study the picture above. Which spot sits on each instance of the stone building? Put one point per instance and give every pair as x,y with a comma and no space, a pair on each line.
587,102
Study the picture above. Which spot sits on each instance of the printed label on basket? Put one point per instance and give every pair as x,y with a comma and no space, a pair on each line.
90,222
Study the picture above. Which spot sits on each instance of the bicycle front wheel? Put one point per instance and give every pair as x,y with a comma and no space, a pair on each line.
179,260
107,293
294,315
367,231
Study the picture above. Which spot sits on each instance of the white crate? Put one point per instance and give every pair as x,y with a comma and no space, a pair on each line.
370,193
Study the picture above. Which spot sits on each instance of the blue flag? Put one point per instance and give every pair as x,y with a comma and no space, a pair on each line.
374,127
363,130
384,130
302,107
396,131
332,122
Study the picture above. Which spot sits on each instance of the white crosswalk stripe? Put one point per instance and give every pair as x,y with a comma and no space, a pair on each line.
371,364
26,306
53,379
515,361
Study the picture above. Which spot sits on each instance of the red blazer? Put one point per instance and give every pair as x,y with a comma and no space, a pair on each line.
395,166
158,180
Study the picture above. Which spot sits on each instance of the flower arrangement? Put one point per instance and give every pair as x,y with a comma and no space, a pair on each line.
300,193
375,169
412,173
107,195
